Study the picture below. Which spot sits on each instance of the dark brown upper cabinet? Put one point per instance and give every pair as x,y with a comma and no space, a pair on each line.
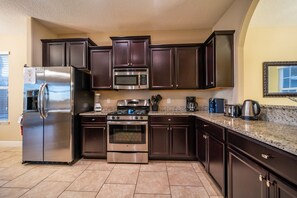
175,66
219,60
131,51
66,52
101,67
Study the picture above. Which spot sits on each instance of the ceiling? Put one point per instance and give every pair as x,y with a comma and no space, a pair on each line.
89,16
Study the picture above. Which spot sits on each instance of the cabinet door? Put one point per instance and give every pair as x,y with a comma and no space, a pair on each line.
179,141
94,141
101,69
216,156
210,64
201,152
55,54
77,54
162,68
139,53
186,67
159,141
281,189
243,177
121,53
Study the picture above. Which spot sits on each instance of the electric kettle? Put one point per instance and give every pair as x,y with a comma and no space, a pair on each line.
250,110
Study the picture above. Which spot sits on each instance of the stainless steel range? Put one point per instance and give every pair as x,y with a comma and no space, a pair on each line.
127,132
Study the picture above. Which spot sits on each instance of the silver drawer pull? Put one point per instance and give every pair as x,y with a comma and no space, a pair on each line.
265,156
261,178
269,183
205,125
93,119
169,119
204,136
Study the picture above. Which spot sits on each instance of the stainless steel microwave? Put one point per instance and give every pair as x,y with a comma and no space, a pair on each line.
132,78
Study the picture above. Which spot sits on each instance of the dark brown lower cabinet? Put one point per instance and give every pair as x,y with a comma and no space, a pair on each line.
243,177
259,170
247,179
211,151
171,137
93,137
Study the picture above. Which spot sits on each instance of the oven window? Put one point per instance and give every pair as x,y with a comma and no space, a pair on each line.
127,134
126,80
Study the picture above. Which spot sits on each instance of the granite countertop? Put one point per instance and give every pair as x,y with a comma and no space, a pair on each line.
280,136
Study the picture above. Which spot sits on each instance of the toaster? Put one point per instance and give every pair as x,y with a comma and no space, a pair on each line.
232,110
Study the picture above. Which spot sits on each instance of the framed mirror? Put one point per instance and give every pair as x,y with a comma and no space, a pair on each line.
280,79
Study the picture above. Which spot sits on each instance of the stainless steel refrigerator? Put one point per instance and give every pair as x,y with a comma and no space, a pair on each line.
53,98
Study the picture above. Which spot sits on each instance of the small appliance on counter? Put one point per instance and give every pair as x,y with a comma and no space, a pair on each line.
191,104
232,110
216,105
97,105
250,110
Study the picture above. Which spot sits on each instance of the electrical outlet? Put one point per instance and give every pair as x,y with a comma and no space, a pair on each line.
108,101
168,100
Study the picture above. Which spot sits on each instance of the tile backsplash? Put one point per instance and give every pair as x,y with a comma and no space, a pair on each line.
279,114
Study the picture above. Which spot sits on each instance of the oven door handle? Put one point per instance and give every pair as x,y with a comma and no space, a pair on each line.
126,123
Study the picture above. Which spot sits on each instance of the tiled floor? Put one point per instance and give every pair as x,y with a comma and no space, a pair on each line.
96,178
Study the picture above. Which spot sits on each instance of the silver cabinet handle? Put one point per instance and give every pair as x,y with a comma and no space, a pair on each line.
204,136
93,119
168,129
169,119
211,83
269,183
205,125
176,85
265,156
261,178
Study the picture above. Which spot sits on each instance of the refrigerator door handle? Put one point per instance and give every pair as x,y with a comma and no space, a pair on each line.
44,100
39,101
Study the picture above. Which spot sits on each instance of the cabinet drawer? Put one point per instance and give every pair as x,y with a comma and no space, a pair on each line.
212,129
93,119
183,120
278,161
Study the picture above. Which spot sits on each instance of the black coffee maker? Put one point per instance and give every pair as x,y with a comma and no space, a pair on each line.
191,105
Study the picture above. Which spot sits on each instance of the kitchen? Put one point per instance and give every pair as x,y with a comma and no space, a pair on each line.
244,87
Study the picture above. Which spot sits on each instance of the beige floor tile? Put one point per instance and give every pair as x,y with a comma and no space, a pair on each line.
179,164
116,191
188,191
179,168
74,194
30,178
153,182
196,167
89,181
207,185
12,192
14,171
216,196
184,178
67,174
8,154
10,161
153,167
151,196
101,165
85,161
47,189
123,176
127,166
2,182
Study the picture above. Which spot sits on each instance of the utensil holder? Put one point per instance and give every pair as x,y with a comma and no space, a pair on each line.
155,107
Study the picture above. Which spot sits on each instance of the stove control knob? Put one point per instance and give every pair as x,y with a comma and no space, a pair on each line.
112,117
141,118
136,118
118,117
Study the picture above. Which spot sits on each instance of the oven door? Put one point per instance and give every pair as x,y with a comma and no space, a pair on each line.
127,136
